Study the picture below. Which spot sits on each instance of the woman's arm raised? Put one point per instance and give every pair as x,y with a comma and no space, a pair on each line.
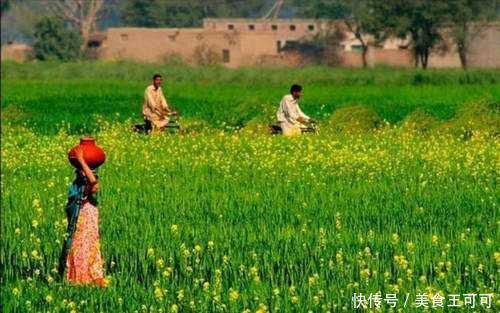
92,183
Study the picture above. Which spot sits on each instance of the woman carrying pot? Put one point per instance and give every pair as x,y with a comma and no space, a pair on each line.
81,255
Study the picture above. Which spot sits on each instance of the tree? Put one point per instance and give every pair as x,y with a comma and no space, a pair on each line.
138,13
357,15
18,22
180,13
328,9
184,13
54,41
82,14
4,6
468,19
421,19
360,20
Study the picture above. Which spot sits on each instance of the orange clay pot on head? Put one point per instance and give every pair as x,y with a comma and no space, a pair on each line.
92,153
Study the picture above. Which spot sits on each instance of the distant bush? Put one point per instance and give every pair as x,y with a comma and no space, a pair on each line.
205,55
257,125
12,113
260,123
53,41
419,121
174,59
354,119
475,117
324,48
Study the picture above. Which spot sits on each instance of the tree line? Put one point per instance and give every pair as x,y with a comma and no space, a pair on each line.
423,22
70,23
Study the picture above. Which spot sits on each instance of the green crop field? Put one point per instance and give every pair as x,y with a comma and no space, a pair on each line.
395,194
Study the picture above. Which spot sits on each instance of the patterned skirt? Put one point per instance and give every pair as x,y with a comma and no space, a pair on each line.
84,262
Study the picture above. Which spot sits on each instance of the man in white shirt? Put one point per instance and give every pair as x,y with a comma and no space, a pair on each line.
155,108
290,116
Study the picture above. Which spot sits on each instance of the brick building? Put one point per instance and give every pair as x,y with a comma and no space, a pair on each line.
233,42
238,42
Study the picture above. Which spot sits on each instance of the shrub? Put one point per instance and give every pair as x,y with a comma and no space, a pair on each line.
174,59
255,126
354,119
205,55
474,117
55,42
419,121
261,116
13,113
323,48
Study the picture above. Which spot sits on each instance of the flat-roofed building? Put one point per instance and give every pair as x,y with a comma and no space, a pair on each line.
236,42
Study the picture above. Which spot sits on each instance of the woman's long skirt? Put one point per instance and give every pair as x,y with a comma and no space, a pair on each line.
84,262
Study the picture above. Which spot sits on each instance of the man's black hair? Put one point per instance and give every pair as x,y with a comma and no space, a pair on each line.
156,75
295,88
